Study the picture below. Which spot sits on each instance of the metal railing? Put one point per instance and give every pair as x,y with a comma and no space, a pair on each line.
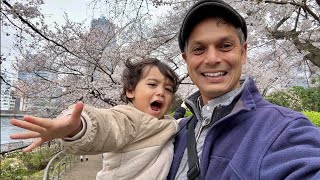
59,165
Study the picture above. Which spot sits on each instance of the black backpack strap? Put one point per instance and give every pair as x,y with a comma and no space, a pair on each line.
193,160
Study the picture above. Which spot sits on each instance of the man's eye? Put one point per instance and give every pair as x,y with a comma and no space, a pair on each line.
226,46
197,50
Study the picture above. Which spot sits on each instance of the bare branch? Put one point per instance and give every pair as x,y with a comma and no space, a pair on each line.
301,5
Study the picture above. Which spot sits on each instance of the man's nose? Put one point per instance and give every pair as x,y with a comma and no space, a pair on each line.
212,56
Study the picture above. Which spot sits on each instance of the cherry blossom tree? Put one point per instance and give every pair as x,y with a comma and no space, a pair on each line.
284,41
87,61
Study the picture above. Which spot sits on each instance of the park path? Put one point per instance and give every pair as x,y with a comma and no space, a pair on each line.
86,170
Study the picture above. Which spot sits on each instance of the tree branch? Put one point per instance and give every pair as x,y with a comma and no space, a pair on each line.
314,52
297,20
2,79
281,22
301,5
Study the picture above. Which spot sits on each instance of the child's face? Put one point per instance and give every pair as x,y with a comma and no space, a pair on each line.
153,93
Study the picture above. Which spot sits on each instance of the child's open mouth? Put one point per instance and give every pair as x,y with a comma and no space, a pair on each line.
156,105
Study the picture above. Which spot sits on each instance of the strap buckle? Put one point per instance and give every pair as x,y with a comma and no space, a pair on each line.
193,172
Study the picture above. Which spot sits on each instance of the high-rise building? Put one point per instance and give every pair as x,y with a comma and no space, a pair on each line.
25,103
27,76
8,101
105,26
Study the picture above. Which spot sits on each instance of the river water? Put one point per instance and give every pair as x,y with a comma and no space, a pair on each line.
7,129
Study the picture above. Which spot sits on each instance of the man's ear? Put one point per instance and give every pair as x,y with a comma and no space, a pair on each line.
184,56
244,53
130,94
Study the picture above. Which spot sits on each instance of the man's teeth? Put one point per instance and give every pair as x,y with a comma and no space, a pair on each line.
214,74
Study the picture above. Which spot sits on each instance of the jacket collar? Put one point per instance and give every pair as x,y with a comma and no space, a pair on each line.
249,94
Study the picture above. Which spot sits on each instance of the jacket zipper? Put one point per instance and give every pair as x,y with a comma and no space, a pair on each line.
222,119
205,123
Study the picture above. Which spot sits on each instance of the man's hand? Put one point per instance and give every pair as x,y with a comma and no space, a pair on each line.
45,129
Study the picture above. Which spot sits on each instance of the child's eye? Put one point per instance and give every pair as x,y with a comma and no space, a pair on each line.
169,89
151,84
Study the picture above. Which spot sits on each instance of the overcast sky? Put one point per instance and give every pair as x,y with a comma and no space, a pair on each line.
77,10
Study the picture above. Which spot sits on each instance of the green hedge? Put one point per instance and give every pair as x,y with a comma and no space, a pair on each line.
313,116
188,113
297,98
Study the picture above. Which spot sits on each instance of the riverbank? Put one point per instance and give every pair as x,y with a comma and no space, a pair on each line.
12,113
20,165
12,146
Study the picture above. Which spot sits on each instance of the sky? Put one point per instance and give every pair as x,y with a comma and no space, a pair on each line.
77,10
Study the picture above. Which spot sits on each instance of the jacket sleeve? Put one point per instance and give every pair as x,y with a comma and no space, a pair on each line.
112,129
179,113
294,153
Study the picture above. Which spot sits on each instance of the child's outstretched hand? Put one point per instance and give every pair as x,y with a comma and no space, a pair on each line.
45,129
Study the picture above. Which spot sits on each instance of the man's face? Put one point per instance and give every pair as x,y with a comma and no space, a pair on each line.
153,93
214,58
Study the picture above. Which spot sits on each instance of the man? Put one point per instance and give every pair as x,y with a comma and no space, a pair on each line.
234,133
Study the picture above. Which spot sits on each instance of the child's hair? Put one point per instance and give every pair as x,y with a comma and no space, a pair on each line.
133,72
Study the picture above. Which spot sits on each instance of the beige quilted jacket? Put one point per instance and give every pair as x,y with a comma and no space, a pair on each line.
135,144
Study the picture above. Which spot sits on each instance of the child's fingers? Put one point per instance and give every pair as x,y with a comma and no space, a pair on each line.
26,125
76,113
25,135
42,122
34,145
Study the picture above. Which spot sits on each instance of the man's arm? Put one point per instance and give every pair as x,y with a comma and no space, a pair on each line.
295,153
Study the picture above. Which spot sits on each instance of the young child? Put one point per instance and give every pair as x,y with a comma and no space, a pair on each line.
136,138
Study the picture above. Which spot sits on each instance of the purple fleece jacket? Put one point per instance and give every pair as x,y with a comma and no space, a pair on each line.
258,140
